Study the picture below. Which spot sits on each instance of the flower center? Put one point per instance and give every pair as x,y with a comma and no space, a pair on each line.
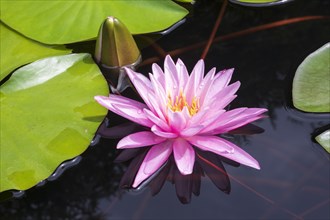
180,102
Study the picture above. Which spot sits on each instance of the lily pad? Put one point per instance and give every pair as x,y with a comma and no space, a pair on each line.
48,115
62,22
324,140
17,50
311,85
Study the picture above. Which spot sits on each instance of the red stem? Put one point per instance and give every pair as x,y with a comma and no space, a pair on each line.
215,28
306,212
237,34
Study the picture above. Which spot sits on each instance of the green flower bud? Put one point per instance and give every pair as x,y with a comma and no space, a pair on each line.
115,48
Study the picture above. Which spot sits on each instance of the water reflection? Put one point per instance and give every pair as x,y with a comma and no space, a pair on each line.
256,4
206,163
185,185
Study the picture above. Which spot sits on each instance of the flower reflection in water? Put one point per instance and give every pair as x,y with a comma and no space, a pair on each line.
185,185
206,163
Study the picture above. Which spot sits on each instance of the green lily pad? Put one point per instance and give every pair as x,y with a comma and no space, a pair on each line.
311,85
48,115
62,22
324,140
17,50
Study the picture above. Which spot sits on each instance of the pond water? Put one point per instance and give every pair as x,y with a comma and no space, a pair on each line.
294,180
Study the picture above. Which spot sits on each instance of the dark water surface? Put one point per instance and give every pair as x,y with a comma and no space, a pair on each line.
294,179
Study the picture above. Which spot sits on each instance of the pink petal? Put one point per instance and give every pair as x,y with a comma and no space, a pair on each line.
158,74
144,89
157,156
238,124
205,85
211,143
139,139
186,115
157,131
117,99
195,78
223,78
158,88
198,73
191,131
235,125
205,119
222,119
216,84
159,97
158,108
210,75
220,105
126,108
182,74
154,159
184,156
171,77
143,86
156,120
198,117
224,148
135,75
223,97
176,120
229,90
211,118
245,117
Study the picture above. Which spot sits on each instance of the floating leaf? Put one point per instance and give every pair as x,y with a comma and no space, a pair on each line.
311,87
17,50
48,115
61,22
324,140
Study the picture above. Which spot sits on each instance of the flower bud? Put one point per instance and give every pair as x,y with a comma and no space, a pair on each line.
115,48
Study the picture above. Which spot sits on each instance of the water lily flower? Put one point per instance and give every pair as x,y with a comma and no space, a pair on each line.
182,112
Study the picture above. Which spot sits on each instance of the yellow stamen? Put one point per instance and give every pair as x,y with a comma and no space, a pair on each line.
180,102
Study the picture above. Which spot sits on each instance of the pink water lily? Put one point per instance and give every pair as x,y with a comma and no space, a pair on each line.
182,111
